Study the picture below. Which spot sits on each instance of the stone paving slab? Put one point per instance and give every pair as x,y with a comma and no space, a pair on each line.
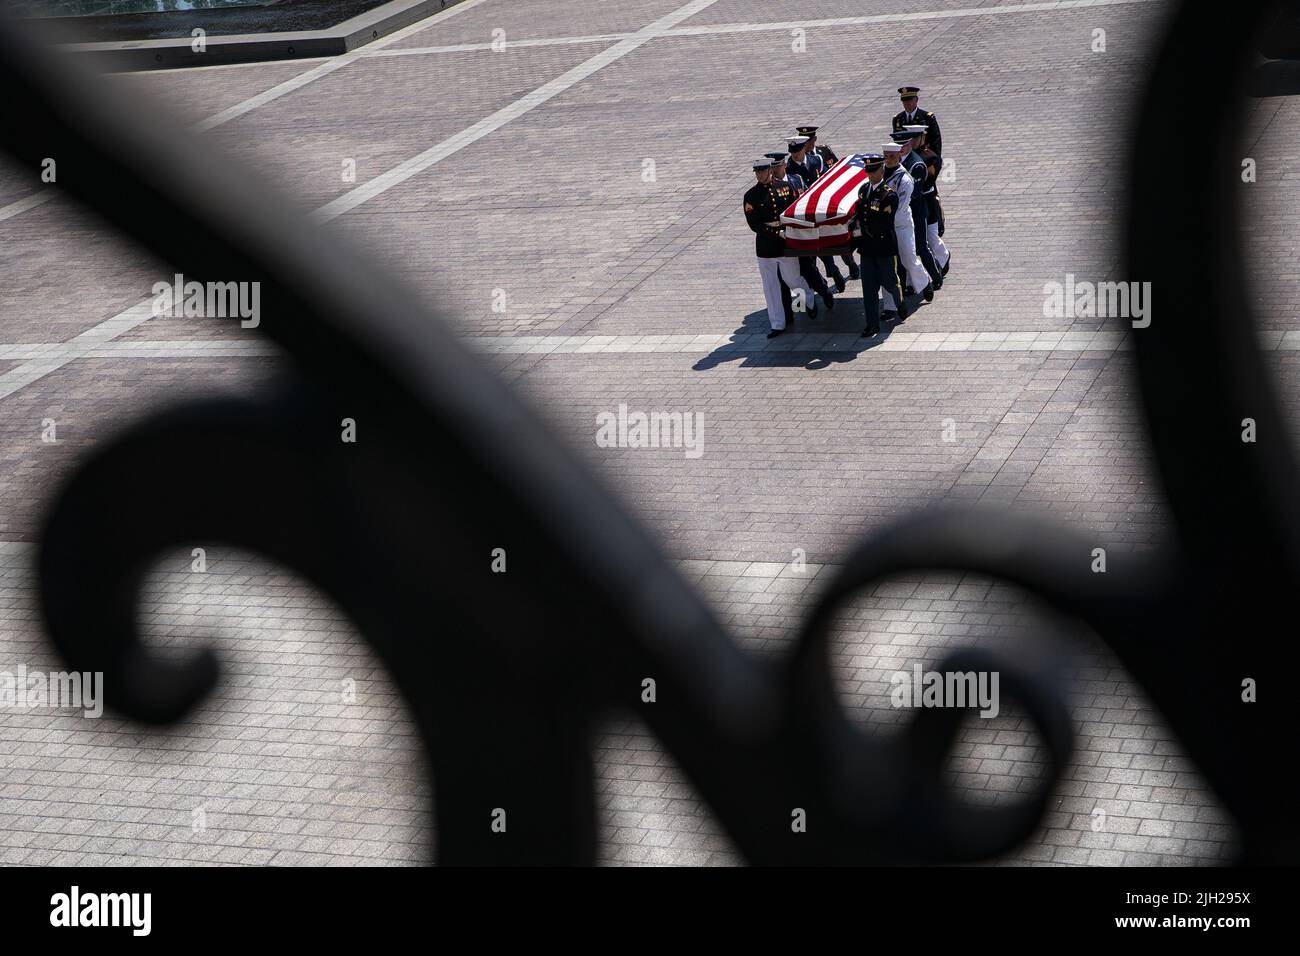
89,403
843,342
196,94
15,182
794,462
301,140
184,98
1269,241
63,274
823,460
323,767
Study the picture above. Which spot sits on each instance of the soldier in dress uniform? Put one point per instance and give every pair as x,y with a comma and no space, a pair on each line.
934,208
763,205
819,159
877,243
910,138
797,163
787,303
901,182
800,163
913,115
781,172
799,175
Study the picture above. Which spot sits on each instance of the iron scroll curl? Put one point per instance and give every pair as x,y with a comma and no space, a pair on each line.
505,674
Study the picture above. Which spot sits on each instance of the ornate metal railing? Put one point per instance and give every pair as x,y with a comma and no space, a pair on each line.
506,672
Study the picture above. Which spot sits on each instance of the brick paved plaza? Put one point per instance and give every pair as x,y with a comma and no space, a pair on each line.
508,186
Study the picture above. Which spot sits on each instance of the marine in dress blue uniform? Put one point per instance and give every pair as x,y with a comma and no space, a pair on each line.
763,204
781,172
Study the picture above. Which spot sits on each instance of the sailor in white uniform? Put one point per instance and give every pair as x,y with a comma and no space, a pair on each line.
902,183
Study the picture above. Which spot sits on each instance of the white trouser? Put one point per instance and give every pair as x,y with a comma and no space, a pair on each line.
937,247
772,271
907,257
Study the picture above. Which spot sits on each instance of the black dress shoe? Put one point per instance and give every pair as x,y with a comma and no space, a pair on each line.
774,333
889,316
928,294
854,274
830,302
838,279
869,333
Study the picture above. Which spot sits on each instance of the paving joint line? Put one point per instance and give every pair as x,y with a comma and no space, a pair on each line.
1082,340
988,491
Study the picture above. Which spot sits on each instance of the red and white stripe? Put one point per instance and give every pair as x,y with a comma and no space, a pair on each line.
822,216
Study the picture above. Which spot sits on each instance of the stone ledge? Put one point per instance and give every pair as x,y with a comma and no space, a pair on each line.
177,52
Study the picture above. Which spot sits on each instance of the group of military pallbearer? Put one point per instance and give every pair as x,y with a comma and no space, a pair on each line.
897,229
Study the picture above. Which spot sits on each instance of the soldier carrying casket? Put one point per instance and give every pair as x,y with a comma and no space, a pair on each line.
878,244
910,138
763,205
819,159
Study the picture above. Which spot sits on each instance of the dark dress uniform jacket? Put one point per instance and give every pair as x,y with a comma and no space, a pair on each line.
876,220
802,171
933,166
931,123
916,168
821,159
764,204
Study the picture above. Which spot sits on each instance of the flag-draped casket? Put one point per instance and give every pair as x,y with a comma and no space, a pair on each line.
819,221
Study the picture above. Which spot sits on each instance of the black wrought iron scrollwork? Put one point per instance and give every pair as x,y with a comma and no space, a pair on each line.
506,672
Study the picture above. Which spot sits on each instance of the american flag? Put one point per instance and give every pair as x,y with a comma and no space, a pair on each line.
821,217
